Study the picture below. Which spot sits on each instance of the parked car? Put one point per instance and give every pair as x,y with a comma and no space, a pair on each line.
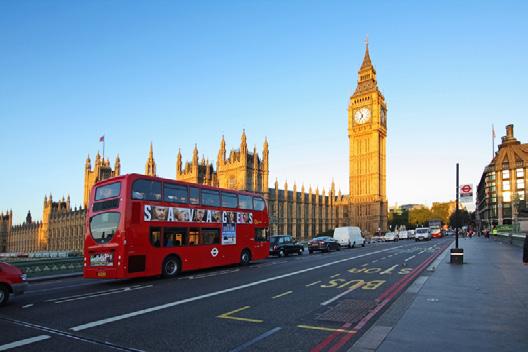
323,244
410,233
12,281
282,245
390,236
422,234
349,236
403,235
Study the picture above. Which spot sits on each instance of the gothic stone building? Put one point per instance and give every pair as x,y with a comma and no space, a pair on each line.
300,212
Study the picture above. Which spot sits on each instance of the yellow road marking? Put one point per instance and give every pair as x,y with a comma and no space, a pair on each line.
229,315
323,328
336,275
282,294
313,283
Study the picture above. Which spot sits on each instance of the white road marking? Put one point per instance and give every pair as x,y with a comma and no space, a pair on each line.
215,293
97,294
365,264
352,288
28,305
256,339
411,257
313,283
23,342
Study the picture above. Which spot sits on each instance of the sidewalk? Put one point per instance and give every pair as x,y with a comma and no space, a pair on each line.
481,305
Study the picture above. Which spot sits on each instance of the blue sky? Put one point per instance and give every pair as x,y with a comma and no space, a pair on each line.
179,73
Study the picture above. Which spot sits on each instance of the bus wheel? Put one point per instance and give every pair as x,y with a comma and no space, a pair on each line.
171,267
245,257
4,294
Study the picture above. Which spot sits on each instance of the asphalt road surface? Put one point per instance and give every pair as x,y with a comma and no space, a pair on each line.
318,302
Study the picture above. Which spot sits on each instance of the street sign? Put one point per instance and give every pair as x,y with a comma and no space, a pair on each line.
466,193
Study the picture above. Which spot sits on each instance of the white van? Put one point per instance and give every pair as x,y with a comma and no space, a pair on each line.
349,236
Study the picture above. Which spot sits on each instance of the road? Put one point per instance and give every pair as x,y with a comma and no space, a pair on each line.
318,302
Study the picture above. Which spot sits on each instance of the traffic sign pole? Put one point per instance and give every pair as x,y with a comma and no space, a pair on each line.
456,209
457,254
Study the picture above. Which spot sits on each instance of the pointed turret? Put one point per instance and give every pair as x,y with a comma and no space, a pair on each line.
150,166
221,152
195,155
178,163
243,143
88,163
117,166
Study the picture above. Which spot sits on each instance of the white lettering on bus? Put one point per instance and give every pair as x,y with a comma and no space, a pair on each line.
147,213
209,216
170,216
224,217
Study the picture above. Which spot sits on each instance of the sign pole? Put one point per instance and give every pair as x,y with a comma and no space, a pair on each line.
457,254
456,209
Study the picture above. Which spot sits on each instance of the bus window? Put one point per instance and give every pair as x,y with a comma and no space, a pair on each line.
262,235
194,195
146,190
194,236
108,191
229,200
210,236
155,236
245,202
211,198
175,193
174,236
258,203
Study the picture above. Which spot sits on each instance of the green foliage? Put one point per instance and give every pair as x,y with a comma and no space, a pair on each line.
440,211
419,217
462,219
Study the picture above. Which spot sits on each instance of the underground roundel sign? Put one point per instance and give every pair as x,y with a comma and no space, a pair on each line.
466,193
214,252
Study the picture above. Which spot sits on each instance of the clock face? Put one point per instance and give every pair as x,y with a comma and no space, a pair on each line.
362,115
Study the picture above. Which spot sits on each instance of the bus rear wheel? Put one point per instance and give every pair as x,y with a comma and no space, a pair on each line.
171,267
245,257
4,294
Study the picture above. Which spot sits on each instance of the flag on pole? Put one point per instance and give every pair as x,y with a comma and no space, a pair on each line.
492,131
101,139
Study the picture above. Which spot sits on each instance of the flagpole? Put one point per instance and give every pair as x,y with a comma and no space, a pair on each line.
492,141
103,146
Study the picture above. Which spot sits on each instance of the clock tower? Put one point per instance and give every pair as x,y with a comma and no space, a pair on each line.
367,134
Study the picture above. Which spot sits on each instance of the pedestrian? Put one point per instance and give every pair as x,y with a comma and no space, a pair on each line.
525,254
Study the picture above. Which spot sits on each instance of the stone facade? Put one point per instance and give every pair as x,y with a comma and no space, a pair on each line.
367,134
61,229
501,192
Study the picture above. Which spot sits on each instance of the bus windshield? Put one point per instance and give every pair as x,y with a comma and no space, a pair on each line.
103,226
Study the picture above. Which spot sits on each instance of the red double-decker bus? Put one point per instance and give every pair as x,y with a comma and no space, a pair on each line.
139,225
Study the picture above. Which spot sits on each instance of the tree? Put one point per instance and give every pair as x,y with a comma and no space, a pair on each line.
440,211
397,220
419,217
462,219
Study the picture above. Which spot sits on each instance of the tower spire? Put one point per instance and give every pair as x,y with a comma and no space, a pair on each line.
366,59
